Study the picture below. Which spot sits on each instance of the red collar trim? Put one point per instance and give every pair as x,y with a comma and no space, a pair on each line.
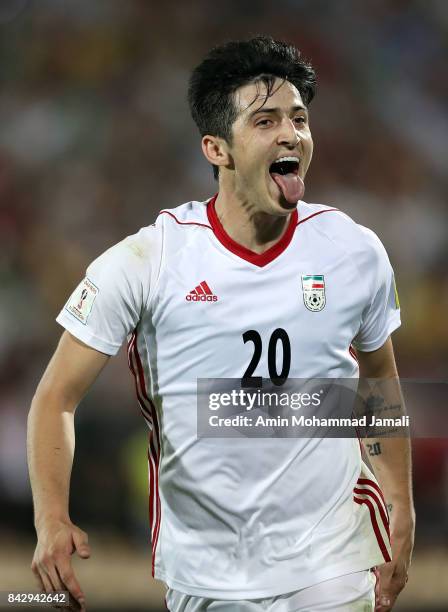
258,259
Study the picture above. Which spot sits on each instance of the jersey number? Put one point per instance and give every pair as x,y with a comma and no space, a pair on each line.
278,334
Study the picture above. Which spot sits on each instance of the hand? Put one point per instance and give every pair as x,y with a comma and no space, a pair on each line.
57,540
394,575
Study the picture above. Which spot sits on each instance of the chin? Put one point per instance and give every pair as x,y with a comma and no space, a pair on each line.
282,206
286,205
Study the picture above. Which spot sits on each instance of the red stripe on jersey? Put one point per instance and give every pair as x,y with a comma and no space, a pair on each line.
258,259
152,452
374,497
375,526
352,352
167,212
153,448
317,286
206,288
155,453
317,213
143,408
374,485
141,379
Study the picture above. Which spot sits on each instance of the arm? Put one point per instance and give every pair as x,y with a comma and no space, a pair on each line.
51,443
391,463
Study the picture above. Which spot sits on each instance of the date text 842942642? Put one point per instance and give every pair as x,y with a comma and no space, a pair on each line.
19,598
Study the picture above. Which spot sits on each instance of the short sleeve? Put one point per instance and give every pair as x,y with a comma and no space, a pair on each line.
108,303
381,315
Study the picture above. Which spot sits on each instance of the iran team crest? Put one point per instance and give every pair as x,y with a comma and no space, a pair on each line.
313,288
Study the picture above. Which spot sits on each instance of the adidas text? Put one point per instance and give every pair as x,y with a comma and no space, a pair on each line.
201,298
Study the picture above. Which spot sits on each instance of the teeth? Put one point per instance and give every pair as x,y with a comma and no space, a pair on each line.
290,159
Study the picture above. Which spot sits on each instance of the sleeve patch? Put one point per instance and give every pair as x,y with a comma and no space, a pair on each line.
81,301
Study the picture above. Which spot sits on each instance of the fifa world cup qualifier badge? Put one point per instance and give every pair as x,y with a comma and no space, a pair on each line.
313,289
81,301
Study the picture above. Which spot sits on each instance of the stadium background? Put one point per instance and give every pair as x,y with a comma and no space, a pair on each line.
96,137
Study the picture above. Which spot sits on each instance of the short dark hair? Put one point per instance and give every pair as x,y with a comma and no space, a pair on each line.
237,63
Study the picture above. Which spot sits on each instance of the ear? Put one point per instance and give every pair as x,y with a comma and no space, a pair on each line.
216,150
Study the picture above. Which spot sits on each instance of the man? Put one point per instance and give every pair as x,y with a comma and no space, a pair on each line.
238,524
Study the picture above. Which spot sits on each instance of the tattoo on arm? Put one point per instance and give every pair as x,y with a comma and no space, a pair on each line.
374,449
389,508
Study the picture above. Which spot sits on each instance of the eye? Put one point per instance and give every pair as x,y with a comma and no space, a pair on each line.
300,119
264,122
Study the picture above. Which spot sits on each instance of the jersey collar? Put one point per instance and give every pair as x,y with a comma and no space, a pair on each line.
258,259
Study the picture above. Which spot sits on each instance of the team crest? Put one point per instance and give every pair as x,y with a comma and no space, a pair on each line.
313,289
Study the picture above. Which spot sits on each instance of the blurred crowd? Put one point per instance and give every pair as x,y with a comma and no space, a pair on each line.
96,137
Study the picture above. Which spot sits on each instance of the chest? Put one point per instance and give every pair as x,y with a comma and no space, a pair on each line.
217,310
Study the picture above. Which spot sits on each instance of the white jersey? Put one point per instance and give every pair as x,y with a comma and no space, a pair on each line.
244,518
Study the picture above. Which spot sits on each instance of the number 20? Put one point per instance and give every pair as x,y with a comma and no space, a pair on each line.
278,334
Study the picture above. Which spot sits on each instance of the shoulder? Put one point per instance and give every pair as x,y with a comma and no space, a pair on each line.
127,270
141,251
191,214
134,251
340,229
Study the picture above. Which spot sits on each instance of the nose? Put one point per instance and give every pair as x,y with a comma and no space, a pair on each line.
288,134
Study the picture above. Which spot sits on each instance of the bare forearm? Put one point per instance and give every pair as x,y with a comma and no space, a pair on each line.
51,444
389,451
388,446
391,462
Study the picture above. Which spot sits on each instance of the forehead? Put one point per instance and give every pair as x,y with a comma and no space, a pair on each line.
251,97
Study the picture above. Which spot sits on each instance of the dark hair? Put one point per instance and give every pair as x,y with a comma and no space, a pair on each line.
237,63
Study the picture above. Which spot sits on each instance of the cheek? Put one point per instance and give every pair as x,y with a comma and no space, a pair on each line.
309,147
250,164
308,140
250,161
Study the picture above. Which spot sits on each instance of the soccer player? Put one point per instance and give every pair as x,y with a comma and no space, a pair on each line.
253,282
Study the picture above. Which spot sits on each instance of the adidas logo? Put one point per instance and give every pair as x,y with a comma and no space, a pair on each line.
202,293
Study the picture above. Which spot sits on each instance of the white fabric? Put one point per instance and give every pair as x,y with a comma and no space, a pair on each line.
350,593
238,518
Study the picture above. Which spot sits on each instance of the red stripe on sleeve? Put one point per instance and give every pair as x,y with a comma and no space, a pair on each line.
375,526
373,484
378,503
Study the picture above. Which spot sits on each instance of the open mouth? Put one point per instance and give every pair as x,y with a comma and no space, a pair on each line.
284,171
285,165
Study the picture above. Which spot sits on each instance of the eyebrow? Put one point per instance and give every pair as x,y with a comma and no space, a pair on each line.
271,110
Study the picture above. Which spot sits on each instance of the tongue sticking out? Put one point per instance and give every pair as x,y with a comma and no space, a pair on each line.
291,185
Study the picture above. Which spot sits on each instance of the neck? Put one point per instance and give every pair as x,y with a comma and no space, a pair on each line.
249,227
